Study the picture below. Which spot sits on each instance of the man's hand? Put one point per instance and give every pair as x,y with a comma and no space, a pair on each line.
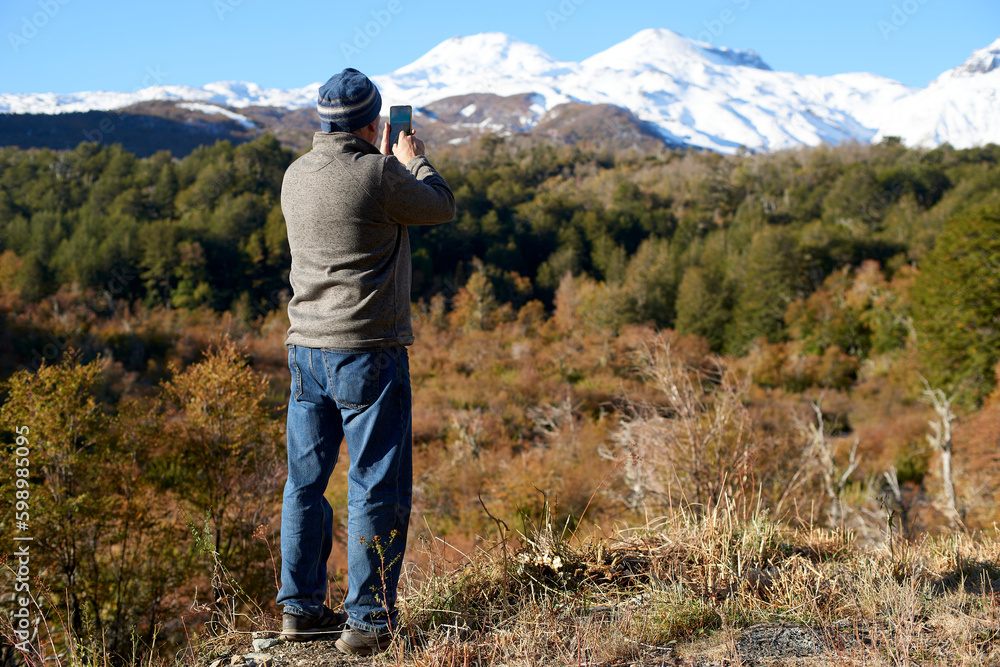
385,147
407,145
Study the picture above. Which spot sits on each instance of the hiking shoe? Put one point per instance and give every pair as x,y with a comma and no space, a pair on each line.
354,641
295,628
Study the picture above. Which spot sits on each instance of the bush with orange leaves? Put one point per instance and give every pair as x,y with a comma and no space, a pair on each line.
222,449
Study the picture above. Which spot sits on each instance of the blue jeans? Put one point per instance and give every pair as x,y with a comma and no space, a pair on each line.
363,396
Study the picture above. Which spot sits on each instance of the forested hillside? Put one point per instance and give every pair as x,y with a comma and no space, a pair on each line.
805,338
832,248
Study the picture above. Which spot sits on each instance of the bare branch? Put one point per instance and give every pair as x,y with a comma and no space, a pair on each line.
852,465
940,439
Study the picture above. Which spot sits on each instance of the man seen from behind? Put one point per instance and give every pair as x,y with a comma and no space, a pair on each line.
347,205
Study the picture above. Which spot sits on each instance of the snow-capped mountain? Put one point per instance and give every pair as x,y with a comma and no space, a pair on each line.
960,107
694,93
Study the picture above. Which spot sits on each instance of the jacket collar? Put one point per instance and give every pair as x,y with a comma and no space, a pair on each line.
342,142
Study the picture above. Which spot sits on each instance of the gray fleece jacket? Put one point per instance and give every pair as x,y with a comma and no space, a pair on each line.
346,209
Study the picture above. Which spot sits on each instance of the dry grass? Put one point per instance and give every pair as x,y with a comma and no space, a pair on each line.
712,588
702,588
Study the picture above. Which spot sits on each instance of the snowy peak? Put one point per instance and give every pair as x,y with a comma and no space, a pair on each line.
483,50
494,63
662,49
723,55
668,51
981,61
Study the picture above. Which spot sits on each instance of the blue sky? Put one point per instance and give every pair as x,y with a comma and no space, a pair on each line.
73,45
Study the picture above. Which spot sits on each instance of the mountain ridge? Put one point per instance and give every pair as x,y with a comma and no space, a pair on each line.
694,93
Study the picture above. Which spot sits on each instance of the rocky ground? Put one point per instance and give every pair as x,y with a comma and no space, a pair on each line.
759,645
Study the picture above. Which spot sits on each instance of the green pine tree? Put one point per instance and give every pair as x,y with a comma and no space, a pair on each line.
768,286
956,303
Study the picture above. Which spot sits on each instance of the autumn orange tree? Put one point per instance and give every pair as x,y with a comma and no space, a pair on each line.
95,526
222,457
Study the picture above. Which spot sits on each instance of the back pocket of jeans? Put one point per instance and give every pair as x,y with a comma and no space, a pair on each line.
357,379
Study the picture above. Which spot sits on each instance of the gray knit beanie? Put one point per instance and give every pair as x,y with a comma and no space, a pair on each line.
347,102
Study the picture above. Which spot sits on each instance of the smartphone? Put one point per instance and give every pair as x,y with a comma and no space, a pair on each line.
400,120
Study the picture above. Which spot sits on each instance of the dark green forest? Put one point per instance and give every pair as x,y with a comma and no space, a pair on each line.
737,249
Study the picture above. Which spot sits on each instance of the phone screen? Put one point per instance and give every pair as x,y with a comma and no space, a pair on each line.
400,120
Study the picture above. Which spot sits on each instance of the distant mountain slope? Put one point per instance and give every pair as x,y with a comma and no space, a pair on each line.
142,128
687,92
236,94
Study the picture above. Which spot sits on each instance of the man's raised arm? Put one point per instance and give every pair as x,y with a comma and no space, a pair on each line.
416,194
